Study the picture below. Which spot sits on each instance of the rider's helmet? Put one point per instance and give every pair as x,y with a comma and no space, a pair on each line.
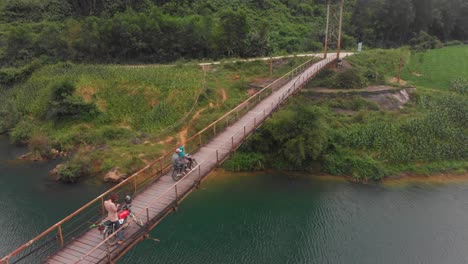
128,199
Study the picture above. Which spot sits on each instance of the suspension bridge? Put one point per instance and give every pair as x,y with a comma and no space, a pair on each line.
155,193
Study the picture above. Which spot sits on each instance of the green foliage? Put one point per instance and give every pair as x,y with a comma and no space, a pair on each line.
350,79
39,146
65,105
437,68
10,76
354,103
460,85
423,41
300,131
9,115
71,172
242,161
22,132
349,164
454,43
441,134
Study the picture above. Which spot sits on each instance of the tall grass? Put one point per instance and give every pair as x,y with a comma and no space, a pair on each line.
437,68
136,104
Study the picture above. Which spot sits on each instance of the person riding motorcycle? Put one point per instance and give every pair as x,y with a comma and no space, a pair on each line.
178,161
112,208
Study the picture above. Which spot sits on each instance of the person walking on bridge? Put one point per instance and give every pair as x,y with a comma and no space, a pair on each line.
112,208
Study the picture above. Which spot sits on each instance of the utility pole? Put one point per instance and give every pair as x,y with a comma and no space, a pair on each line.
339,30
326,31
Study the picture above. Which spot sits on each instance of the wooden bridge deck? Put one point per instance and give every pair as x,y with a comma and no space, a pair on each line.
159,198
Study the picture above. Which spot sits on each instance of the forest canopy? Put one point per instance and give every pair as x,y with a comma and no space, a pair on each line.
169,30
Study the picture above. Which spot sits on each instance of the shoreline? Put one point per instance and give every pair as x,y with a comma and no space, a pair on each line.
401,180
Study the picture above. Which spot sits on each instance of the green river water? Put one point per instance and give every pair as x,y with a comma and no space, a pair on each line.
263,218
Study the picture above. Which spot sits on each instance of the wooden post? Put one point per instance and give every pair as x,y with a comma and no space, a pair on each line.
60,235
232,142
271,66
199,140
176,197
214,129
204,77
339,30
147,215
199,176
255,122
217,158
160,167
244,131
325,51
399,68
103,210
134,186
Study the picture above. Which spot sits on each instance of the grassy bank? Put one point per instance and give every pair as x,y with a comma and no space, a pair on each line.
111,115
354,136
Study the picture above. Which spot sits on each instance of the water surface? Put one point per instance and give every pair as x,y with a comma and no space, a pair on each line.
273,218
30,202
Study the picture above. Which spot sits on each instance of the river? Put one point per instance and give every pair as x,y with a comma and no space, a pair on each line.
30,202
273,218
262,218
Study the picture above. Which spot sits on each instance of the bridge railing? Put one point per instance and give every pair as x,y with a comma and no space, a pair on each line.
223,150
78,222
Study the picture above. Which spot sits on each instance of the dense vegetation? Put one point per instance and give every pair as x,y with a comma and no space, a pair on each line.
168,30
429,135
55,94
110,115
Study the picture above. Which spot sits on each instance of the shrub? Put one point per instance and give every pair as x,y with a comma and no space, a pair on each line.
242,161
347,164
350,79
460,85
10,76
423,41
9,115
70,172
454,43
21,133
39,146
65,105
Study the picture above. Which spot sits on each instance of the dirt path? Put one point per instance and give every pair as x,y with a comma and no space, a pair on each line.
184,133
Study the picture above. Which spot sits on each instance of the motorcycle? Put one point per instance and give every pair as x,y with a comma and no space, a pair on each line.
178,170
107,228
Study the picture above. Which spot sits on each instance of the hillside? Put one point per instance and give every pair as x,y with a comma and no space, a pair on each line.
364,133
106,116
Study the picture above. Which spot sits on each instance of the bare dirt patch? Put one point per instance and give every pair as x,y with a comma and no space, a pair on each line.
417,74
87,93
395,80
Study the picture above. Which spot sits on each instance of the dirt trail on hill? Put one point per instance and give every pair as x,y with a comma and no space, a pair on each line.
184,133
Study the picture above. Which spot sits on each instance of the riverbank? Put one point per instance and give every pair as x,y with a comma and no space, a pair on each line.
402,180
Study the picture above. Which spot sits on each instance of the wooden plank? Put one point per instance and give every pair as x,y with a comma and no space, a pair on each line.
59,259
159,198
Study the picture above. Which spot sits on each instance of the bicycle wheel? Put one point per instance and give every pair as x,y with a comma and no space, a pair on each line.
108,234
